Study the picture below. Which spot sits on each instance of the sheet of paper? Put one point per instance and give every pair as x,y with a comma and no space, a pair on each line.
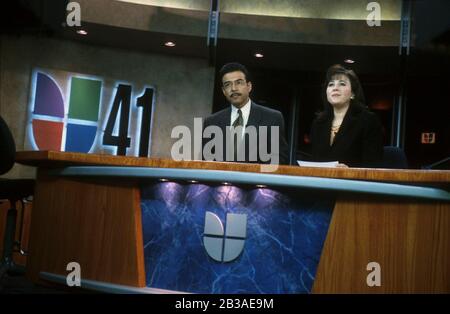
329,164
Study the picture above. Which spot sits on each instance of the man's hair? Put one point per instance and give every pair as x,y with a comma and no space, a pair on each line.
232,67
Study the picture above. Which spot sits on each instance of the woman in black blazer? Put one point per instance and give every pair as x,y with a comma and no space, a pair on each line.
346,131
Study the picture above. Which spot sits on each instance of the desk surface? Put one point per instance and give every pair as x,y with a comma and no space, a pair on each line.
62,159
407,236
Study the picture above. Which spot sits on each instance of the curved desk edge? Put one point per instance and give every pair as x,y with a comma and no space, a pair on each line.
106,287
220,176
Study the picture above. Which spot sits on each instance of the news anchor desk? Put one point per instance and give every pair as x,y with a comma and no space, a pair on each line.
161,226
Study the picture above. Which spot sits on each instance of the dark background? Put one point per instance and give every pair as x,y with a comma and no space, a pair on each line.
291,74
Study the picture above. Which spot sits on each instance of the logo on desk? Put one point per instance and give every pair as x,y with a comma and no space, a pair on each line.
224,246
55,129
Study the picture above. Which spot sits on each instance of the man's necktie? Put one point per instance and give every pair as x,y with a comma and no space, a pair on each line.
238,122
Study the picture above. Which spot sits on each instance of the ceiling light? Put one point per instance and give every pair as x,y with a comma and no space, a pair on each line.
82,32
349,61
259,55
169,44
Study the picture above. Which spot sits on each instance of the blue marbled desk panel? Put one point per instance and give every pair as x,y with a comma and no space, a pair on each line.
285,235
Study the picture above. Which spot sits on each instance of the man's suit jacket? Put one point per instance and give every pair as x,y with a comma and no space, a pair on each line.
259,116
359,142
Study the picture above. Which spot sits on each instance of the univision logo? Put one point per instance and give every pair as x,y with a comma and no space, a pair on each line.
50,129
224,246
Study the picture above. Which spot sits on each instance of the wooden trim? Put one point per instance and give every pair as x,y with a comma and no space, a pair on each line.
139,240
61,159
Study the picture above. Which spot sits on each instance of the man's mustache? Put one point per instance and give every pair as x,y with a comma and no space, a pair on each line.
236,94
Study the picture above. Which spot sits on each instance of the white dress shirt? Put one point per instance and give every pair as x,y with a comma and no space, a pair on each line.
245,114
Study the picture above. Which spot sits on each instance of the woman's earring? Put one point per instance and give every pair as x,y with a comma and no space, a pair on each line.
352,97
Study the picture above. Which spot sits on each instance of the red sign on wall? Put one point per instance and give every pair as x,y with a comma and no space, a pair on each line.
428,138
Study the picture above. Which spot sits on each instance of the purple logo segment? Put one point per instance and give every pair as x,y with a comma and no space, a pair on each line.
48,99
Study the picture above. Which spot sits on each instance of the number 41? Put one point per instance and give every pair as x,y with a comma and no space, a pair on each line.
122,101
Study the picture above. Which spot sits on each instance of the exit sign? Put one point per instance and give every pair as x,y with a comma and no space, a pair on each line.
428,138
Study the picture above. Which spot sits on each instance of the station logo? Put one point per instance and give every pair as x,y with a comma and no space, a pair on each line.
224,246
50,129
74,112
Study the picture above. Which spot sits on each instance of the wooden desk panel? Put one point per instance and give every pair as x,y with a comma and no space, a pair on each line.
409,239
95,223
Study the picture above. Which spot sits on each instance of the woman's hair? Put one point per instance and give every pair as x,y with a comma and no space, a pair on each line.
357,101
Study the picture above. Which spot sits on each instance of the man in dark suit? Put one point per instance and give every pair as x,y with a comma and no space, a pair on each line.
250,132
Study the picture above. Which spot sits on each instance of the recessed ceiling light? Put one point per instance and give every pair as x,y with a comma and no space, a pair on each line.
261,186
82,32
169,44
259,55
350,61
